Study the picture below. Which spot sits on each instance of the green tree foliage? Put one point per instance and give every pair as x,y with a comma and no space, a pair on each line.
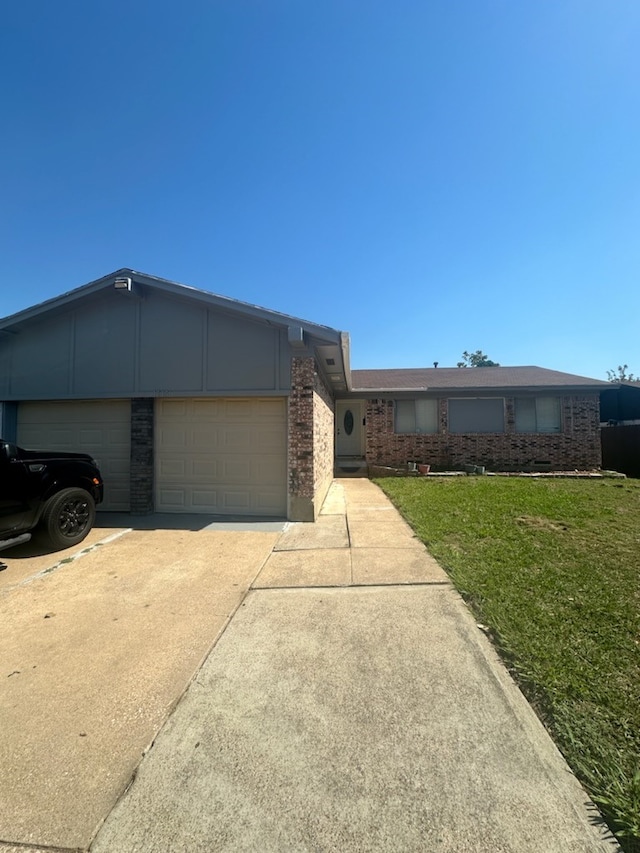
476,359
621,375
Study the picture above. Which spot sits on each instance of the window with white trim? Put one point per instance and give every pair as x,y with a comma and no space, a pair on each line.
416,416
538,414
476,414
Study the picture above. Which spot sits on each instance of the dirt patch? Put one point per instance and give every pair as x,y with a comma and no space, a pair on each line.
537,522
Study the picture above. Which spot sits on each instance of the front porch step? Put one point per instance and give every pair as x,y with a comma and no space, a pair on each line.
351,466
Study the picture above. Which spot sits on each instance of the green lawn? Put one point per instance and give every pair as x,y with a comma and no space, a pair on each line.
552,567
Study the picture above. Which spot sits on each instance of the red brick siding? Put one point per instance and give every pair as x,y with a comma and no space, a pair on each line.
300,451
142,455
311,436
323,435
577,446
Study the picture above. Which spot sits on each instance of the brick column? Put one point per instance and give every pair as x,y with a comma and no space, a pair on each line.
300,451
9,421
141,477
324,411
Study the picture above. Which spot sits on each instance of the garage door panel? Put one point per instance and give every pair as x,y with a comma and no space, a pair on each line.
172,438
237,470
174,408
203,500
236,501
176,471
268,410
205,440
172,468
172,500
242,410
120,437
92,437
209,409
121,468
31,436
200,470
118,499
206,469
236,438
234,454
270,441
267,472
98,427
268,503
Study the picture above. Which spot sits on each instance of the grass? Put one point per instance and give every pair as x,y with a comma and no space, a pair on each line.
552,567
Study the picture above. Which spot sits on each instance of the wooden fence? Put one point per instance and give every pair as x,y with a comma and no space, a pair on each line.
621,449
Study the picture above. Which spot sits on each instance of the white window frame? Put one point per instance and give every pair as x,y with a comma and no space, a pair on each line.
415,417
541,415
454,400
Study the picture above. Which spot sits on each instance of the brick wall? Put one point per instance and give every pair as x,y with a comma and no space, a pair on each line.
577,446
323,438
310,446
141,477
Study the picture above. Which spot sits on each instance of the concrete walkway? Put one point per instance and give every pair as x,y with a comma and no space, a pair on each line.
353,705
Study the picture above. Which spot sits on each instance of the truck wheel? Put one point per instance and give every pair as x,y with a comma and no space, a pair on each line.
68,516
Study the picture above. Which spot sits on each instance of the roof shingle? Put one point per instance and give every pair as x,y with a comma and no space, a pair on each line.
469,379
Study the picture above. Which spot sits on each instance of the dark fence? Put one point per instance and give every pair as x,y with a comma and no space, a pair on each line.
621,449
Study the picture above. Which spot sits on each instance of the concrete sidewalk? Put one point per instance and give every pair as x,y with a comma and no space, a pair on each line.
353,705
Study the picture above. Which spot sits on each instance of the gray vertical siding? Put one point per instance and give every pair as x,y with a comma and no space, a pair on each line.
116,344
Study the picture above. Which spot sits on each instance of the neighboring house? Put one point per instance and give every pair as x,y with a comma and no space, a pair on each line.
503,418
620,422
193,402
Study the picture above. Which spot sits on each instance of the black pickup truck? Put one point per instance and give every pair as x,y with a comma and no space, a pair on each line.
54,492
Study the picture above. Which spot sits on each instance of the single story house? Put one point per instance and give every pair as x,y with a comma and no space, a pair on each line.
502,418
194,402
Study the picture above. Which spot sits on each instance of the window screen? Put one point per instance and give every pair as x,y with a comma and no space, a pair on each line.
476,415
537,414
416,416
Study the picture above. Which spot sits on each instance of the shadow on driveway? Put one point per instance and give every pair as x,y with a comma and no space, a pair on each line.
39,546
189,521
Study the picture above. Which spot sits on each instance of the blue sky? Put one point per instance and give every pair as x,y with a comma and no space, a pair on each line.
431,176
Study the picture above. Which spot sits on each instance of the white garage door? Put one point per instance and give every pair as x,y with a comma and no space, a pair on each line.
222,455
99,427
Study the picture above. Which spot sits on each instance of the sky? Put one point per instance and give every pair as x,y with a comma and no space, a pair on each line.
431,176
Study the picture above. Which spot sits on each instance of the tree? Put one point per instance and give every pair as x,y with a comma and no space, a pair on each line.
476,359
621,375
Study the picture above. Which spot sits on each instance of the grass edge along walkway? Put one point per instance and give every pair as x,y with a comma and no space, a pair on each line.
551,568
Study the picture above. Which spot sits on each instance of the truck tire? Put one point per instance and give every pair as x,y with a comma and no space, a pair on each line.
67,517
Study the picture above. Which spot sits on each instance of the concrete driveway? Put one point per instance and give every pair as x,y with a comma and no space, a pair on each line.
352,704
97,645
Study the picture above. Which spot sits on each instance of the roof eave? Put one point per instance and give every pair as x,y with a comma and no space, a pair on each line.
484,390
345,346
323,333
61,300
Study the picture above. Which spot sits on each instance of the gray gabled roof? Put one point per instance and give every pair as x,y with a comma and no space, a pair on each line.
184,290
331,345
468,379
